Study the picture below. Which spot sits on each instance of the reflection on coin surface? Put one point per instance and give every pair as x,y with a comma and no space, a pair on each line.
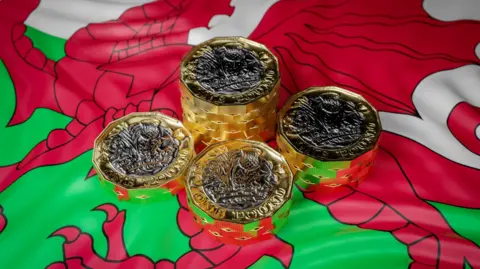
143,149
330,123
325,121
239,179
228,70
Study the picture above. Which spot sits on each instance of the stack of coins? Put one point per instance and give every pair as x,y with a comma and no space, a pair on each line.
229,89
142,157
329,137
239,191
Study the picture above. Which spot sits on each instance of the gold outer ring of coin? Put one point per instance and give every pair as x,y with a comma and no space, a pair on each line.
372,122
173,174
281,193
213,117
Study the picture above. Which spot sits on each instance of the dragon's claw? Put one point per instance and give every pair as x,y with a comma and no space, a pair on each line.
110,210
79,252
3,220
69,233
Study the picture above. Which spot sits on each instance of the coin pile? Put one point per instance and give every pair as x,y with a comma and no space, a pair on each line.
229,91
238,188
329,137
143,156
240,191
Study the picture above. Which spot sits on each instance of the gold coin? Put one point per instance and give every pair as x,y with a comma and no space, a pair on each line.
239,181
229,89
143,155
329,124
329,137
230,71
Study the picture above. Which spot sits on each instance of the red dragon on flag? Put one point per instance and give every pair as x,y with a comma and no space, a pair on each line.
131,64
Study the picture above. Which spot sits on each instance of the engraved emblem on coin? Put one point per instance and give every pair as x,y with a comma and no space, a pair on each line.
324,122
239,179
142,149
229,70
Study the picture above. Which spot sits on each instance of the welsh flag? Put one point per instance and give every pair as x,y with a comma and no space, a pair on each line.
69,67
